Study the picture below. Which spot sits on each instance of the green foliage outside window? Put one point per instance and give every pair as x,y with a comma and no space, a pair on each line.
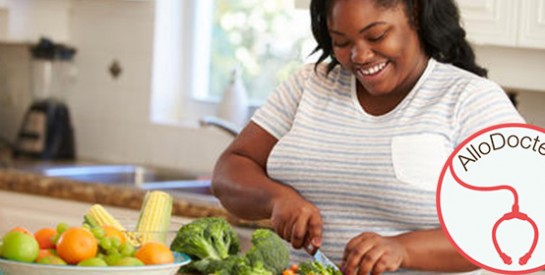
267,40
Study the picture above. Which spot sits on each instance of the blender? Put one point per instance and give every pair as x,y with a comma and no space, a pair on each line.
46,131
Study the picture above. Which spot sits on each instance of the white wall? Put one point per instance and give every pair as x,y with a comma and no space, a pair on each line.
28,20
112,116
514,67
521,71
532,107
15,89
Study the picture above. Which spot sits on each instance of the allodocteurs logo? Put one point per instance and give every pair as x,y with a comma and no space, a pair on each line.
491,198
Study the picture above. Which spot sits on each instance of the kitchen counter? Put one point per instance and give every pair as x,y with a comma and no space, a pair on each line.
34,212
34,190
191,206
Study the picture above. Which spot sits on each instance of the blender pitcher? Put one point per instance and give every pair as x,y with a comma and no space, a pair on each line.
52,70
47,132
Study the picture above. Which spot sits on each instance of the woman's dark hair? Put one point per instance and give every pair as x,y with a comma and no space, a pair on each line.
436,21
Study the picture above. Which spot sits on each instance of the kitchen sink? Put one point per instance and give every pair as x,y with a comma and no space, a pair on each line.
141,177
112,174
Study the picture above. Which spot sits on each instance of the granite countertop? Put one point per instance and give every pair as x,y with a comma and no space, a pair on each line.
120,196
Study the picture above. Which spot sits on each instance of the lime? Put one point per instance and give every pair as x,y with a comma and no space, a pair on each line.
128,261
52,259
19,246
1,246
93,262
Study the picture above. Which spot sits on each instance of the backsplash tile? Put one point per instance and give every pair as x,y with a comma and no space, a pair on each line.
15,88
112,116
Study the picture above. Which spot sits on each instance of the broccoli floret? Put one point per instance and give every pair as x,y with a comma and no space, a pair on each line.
205,266
226,266
224,238
213,246
240,265
259,269
269,250
210,237
206,241
316,268
242,268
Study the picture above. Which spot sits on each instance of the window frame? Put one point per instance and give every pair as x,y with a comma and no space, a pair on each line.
177,70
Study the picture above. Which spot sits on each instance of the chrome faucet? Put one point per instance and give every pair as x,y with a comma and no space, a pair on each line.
222,124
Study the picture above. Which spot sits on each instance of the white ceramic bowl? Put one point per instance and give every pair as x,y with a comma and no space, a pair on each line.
8,267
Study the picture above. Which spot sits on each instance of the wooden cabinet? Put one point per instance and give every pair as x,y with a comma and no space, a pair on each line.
490,21
511,23
532,28
28,21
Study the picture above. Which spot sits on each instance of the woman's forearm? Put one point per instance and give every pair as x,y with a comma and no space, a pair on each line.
430,250
243,187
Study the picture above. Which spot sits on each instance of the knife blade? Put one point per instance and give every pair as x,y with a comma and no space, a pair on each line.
323,259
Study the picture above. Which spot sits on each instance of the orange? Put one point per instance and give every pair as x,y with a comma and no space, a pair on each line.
110,231
154,253
21,229
44,236
77,244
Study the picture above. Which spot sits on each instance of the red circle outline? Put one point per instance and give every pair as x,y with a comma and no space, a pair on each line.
440,183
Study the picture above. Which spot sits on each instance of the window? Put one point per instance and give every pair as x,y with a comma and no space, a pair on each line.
266,39
199,42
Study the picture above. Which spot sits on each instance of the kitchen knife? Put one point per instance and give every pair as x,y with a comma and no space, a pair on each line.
324,260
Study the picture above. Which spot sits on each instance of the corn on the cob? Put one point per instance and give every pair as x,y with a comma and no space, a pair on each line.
102,217
98,216
155,215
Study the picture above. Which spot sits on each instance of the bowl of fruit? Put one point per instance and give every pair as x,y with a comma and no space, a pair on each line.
100,245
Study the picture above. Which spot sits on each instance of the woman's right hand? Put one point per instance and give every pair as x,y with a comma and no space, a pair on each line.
297,221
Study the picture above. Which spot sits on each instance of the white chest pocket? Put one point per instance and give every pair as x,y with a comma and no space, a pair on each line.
419,159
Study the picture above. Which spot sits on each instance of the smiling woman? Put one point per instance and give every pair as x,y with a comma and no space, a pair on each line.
267,41
344,155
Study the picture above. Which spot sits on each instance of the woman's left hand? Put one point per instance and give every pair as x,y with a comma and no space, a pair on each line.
372,253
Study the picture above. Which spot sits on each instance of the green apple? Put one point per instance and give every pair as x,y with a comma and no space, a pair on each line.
52,259
19,246
128,261
93,262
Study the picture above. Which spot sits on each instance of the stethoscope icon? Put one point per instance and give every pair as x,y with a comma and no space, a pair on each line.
514,214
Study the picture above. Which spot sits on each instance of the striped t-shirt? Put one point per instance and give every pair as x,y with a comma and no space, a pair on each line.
371,173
